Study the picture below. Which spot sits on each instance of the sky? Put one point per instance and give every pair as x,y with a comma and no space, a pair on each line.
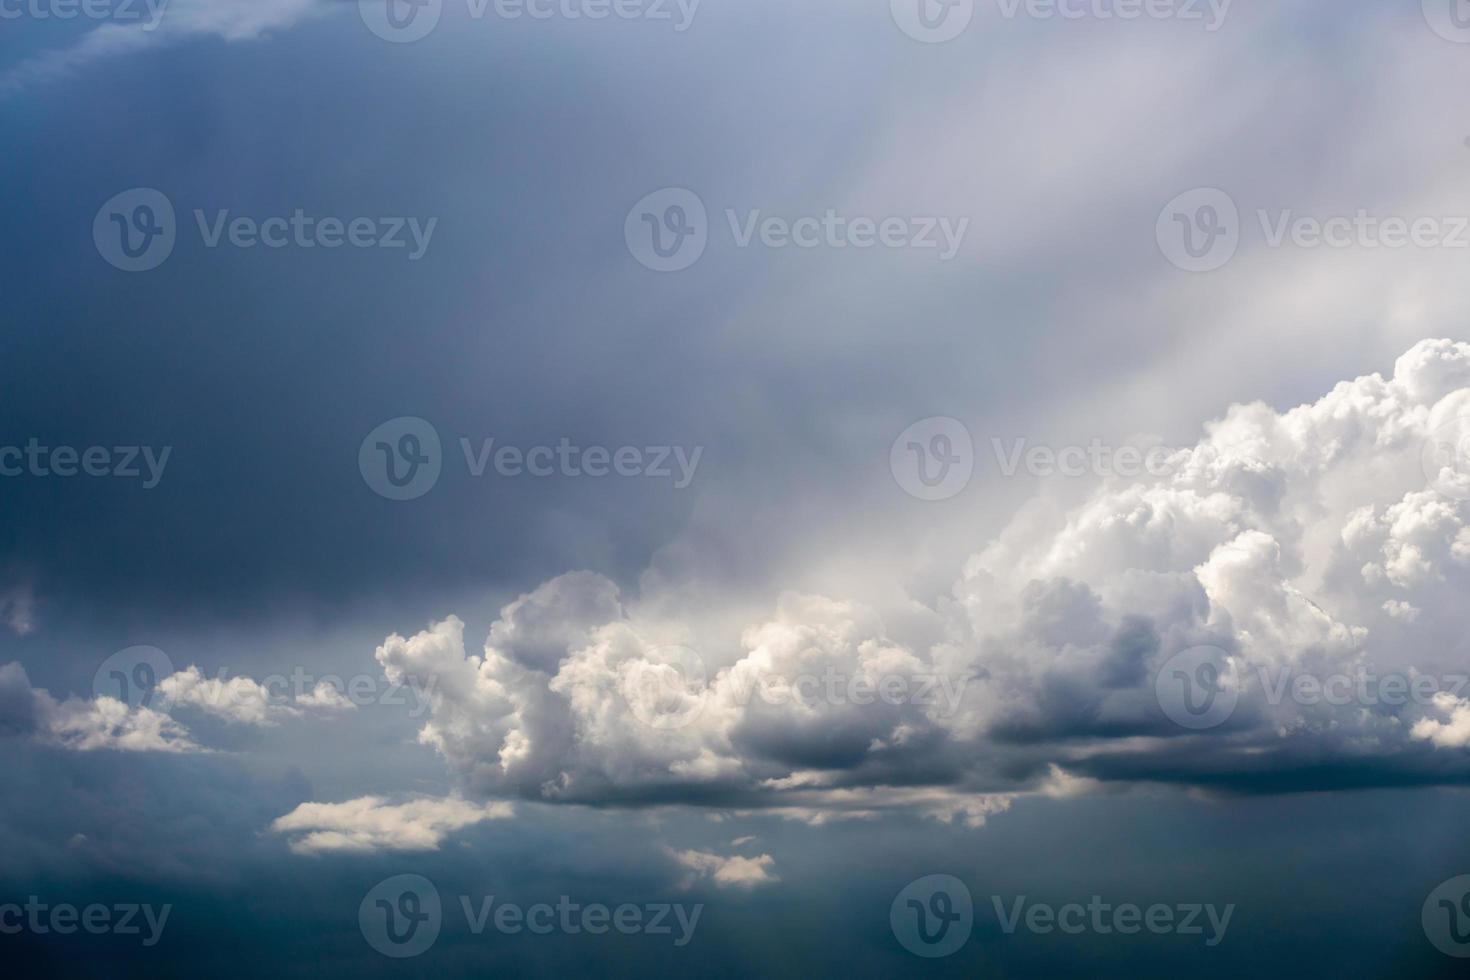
900,487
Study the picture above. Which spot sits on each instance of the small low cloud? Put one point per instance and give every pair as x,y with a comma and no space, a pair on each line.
734,871
84,725
370,823
1452,733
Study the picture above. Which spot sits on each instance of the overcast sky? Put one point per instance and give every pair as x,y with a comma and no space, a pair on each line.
739,457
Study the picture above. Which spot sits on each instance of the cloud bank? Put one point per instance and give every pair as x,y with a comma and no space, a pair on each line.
1327,542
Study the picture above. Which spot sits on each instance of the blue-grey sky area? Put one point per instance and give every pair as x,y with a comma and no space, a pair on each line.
900,487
